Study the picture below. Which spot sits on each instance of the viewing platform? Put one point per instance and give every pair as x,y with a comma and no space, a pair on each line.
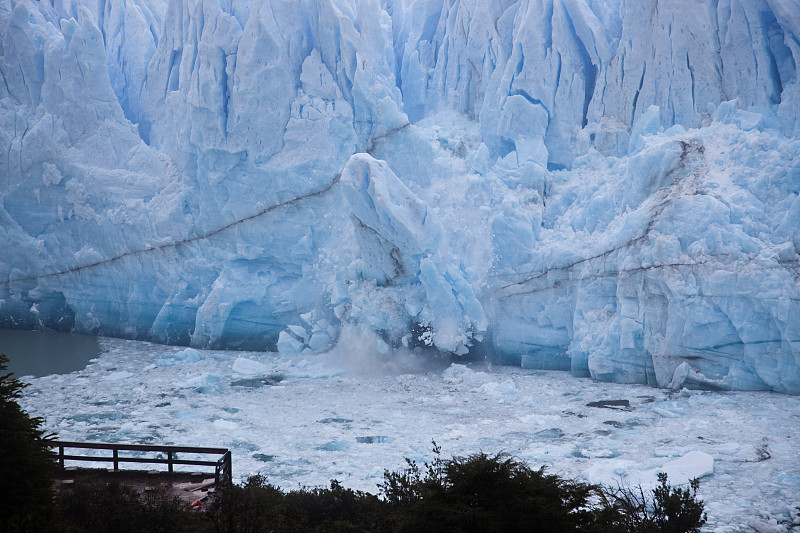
195,488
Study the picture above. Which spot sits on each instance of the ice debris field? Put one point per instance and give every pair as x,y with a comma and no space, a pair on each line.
348,415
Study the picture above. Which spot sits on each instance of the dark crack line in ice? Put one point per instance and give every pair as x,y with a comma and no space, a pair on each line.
616,272
657,210
183,242
668,195
371,144
213,233
394,254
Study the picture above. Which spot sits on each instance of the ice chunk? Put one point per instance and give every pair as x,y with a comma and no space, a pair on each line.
456,373
506,391
317,79
647,124
316,335
680,471
790,480
248,367
206,382
694,464
335,446
670,408
289,344
189,355
225,425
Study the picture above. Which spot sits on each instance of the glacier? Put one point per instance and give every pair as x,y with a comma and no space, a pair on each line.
610,188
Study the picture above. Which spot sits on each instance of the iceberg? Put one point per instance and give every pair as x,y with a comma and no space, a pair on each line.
606,187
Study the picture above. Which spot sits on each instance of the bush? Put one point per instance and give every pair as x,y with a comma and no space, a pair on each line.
260,507
249,508
464,494
493,493
677,510
670,510
95,506
26,462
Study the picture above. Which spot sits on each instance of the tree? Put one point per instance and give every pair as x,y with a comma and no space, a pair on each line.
493,493
26,462
669,510
91,505
677,510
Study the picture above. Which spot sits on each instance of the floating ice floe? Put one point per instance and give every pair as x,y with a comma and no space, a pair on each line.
248,367
189,355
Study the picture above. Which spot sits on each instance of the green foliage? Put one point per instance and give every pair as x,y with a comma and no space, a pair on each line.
26,463
670,510
249,508
94,506
409,486
492,493
478,493
260,507
677,510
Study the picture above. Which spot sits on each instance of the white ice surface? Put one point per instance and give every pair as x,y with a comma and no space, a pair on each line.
606,187
302,421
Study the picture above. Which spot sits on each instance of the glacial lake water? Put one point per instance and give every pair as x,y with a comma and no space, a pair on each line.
41,353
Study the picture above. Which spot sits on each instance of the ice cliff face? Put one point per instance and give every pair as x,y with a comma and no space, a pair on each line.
607,187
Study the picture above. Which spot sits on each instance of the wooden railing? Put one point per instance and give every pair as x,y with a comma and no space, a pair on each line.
222,466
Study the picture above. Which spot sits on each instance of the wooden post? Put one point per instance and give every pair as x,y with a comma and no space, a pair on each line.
223,472
169,461
61,456
116,459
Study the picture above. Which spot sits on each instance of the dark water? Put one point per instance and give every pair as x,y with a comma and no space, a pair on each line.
39,353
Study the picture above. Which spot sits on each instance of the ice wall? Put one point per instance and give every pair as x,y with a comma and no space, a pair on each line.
607,187
595,66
